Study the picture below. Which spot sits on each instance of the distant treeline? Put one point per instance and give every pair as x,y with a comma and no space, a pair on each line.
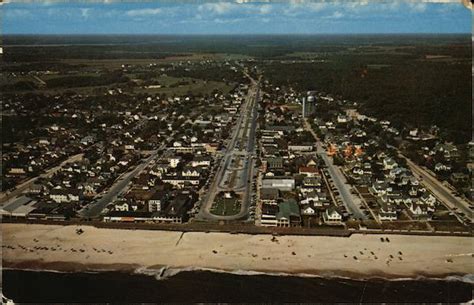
40,48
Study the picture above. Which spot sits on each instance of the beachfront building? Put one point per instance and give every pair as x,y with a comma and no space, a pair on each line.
332,217
157,201
18,207
288,214
387,212
268,218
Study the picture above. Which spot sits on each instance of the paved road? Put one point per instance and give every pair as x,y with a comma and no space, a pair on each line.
439,189
5,196
351,202
246,124
94,209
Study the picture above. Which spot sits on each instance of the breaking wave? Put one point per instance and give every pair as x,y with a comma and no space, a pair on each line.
96,271
166,272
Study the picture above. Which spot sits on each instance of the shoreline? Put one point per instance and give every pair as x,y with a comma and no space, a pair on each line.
60,248
61,267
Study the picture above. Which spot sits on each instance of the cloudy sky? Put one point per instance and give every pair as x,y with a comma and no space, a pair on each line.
241,17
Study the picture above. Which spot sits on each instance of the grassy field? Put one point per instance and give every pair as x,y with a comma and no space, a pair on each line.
226,206
171,86
117,63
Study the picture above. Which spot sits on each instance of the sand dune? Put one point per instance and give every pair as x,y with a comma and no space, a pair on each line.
60,248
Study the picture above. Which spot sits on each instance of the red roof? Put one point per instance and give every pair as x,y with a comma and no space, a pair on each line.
308,169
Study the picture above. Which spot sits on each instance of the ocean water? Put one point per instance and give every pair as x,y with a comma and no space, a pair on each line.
207,286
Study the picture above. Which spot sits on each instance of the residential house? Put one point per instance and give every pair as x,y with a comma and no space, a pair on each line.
332,217
307,210
61,195
308,171
387,212
201,161
379,188
191,172
174,161
419,210
389,163
314,199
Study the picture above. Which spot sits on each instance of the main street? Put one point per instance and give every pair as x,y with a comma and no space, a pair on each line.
351,202
243,136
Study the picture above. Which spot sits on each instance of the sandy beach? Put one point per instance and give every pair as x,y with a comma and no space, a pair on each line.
50,247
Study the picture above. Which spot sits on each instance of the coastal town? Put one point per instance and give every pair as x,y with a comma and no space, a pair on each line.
236,151
160,145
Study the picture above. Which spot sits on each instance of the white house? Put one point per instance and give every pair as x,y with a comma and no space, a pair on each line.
58,196
308,211
428,199
312,198
121,207
379,188
442,167
387,212
418,210
191,172
342,119
174,161
331,216
389,163
201,161
17,170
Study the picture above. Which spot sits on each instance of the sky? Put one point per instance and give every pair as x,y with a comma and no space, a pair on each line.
235,17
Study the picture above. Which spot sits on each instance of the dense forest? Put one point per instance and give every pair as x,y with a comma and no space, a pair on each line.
405,89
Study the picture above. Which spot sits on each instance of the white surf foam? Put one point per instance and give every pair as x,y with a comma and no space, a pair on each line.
165,272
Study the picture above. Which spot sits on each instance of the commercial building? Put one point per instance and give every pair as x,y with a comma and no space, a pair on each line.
280,183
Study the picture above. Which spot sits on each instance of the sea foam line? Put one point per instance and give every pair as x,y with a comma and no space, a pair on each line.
166,272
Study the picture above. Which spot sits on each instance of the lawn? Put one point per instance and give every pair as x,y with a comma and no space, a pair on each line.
226,206
171,86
